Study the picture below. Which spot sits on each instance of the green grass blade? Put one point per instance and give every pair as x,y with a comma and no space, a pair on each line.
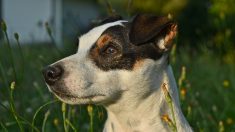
39,109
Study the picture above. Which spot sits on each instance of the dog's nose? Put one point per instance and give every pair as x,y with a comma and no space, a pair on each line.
52,74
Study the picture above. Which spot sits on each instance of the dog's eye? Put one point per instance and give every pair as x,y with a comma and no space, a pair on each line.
110,50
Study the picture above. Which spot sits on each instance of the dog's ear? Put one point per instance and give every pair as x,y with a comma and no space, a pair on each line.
148,29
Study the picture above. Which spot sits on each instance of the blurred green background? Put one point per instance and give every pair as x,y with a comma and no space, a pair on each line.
203,59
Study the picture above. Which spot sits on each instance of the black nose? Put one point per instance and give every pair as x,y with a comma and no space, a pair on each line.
52,74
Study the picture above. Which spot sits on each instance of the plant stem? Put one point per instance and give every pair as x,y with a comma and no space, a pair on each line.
12,106
39,109
11,54
173,116
44,120
71,125
90,112
3,127
170,105
64,116
22,57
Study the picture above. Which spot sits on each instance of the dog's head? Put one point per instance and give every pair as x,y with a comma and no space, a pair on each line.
113,59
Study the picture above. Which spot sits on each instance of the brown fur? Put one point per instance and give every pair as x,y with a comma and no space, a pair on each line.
103,40
170,36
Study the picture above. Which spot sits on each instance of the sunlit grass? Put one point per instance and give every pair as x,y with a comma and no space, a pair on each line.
206,86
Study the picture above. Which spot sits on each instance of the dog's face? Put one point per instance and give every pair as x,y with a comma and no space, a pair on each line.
112,60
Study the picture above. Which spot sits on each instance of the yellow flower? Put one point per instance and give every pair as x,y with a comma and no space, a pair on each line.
90,109
56,121
183,92
221,126
13,84
167,120
63,107
226,83
229,121
166,93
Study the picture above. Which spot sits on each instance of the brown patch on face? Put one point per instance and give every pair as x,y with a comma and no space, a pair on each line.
170,36
138,64
101,42
104,39
94,53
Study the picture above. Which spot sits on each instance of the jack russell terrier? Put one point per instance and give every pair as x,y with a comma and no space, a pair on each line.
122,66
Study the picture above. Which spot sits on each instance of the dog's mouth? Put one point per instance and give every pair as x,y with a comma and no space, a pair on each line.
69,96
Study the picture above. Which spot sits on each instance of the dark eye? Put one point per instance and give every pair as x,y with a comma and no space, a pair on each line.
110,50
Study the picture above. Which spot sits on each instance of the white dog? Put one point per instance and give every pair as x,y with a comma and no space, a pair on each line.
122,65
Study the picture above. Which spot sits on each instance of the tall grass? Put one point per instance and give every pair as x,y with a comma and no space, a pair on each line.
206,92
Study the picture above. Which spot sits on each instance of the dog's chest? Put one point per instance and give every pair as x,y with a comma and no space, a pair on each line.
149,125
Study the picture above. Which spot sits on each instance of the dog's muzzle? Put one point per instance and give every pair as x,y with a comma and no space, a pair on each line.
52,74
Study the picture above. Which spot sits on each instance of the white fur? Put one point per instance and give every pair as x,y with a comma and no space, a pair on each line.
145,114
161,44
88,39
133,98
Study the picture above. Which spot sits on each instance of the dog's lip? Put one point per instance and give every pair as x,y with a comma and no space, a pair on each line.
64,95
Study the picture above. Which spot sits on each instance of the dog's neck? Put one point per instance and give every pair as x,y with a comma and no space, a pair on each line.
145,114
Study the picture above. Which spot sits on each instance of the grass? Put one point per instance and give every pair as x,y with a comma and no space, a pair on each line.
206,86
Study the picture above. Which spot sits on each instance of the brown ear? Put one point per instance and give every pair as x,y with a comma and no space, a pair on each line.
148,28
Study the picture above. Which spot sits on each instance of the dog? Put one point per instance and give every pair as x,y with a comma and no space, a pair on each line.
122,66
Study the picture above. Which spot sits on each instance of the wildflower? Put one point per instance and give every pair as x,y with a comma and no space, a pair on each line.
182,76
169,122
56,121
166,118
169,16
226,83
13,85
63,107
229,121
183,93
221,126
170,104
48,28
166,93
4,26
189,110
16,35
90,110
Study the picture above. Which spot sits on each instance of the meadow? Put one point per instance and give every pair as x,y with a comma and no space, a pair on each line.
206,87
205,77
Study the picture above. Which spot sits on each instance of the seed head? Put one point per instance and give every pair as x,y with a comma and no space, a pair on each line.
13,84
229,121
48,28
226,83
169,16
167,119
63,107
90,109
4,26
16,35
166,93
56,121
